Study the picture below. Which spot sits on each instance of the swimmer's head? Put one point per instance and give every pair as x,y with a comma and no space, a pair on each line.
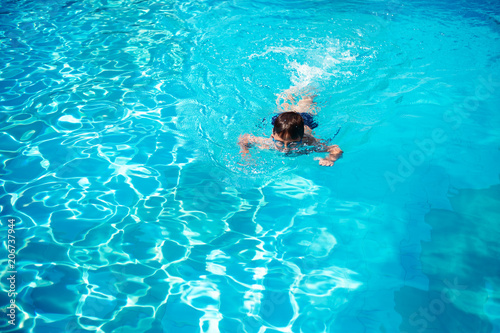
289,126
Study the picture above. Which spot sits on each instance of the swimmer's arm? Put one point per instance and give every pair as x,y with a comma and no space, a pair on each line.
334,153
246,141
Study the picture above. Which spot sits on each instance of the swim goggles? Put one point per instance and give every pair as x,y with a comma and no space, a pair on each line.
281,144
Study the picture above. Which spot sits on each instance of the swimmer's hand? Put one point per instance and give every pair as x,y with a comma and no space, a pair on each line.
334,153
324,161
244,143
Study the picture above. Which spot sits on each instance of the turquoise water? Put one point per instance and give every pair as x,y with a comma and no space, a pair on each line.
134,211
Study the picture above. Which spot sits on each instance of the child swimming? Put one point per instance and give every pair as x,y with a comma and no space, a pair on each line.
293,130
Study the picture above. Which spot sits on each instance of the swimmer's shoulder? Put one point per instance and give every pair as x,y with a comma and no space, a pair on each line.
309,140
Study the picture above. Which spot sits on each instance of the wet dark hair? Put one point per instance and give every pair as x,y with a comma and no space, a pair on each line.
289,126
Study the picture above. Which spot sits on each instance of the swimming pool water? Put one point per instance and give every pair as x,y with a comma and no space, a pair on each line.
135,212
